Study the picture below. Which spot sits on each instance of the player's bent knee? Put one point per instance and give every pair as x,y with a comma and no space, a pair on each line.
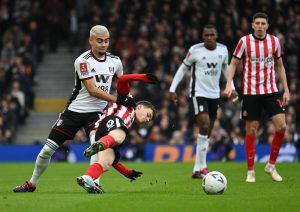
46,152
105,165
281,128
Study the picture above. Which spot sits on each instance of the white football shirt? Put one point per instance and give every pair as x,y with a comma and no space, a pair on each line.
87,66
206,67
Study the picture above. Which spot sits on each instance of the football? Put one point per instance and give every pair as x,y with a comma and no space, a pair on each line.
214,183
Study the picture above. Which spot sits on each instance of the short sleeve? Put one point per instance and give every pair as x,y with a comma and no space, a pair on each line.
239,50
119,71
225,56
83,69
189,58
279,50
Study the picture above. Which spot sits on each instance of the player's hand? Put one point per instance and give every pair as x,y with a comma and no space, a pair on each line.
152,78
134,174
227,92
126,101
286,98
173,97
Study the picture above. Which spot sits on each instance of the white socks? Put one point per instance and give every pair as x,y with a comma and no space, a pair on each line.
201,150
43,160
94,158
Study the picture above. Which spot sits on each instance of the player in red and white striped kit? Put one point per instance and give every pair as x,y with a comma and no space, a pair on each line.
111,131
262,57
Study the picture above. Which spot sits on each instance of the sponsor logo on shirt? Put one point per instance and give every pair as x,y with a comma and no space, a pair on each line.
258,60
111,70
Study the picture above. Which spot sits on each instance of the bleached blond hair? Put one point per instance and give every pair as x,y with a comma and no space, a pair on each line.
98,29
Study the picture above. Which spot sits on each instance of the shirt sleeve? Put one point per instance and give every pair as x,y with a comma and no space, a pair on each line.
178,77
239,50
225,62
189,58
83,69
279,50
119,71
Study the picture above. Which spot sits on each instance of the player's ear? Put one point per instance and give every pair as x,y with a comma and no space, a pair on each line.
138,107
90,40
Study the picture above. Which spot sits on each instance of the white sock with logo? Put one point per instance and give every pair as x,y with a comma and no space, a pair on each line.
43,160
201,150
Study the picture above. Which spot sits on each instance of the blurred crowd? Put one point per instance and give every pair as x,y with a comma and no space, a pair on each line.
148,36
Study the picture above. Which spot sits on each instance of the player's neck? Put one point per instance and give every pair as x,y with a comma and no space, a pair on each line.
210,47
260,37
99,55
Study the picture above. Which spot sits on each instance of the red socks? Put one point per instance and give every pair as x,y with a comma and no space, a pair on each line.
107,140
250,151
122,169
94,171
275,146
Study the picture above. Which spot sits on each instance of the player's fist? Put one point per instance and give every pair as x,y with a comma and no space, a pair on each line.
227,92
152,78
134,174
126,101
173,97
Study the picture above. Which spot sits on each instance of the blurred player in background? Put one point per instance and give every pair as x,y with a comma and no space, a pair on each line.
262,56
94,72
205,61
112,129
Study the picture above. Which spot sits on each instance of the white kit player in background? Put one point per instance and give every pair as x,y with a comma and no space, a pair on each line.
205,61
94,71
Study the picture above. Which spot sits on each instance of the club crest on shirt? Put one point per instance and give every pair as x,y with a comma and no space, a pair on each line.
83,67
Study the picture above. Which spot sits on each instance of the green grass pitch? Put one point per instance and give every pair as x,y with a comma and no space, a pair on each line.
163,187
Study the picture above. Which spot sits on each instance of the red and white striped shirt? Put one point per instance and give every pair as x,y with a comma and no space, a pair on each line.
258,63
125,113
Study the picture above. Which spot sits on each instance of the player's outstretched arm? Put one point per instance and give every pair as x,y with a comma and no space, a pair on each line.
129,173
124,80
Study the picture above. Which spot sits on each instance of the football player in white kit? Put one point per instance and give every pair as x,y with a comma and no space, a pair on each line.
205,61
94,72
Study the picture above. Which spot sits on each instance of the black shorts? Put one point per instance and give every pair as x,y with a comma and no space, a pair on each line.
69,122
205,105
254,105
108,124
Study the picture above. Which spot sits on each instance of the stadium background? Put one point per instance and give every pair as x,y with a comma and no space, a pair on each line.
149,36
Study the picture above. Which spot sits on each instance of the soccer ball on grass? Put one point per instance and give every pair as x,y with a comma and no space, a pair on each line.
214,183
